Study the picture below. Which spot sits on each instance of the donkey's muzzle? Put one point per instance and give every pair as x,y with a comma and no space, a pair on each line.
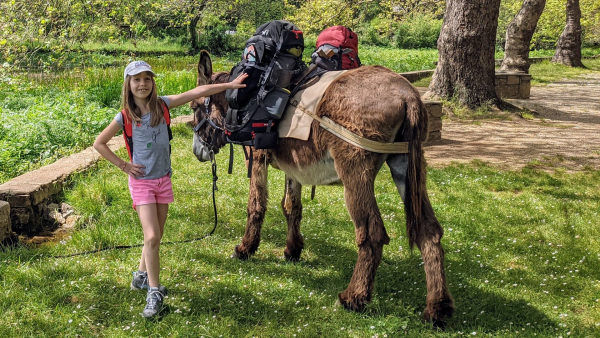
202,150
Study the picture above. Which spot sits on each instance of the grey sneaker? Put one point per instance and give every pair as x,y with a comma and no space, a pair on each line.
154,303
140,282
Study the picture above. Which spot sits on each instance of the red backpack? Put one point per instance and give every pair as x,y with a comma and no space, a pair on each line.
337,48
128,128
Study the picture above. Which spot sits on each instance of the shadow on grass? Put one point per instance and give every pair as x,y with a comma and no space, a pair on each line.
400,287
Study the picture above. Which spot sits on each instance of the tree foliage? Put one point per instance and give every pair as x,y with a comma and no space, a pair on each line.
552,22
34,28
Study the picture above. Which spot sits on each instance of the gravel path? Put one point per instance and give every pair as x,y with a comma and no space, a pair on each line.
565,132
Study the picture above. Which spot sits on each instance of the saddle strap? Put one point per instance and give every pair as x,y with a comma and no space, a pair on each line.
356,140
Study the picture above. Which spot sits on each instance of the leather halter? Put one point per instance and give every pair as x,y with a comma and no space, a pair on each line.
204,112
205,116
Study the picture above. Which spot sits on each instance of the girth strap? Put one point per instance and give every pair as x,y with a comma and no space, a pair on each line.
359,141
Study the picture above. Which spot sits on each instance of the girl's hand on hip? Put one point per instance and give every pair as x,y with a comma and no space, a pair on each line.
133,169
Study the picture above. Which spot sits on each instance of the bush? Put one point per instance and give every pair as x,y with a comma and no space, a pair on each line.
376,32
418,31
217,37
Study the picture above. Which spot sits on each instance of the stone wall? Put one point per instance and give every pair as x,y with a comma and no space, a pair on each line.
509,85
5,224
513,85
417,75
434,121
30,194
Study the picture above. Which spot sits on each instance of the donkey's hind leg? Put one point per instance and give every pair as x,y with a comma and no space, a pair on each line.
440,305
257,206
358,178
291,204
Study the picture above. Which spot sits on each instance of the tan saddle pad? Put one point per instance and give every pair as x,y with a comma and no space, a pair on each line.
295,122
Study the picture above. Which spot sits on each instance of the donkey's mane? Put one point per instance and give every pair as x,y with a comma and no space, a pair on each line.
220,77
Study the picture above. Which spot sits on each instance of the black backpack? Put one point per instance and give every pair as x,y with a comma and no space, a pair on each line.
272,59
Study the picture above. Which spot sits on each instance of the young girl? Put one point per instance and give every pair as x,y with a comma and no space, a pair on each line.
150,169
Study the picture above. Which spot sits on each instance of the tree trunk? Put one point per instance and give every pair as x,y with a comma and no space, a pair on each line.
518,36
568,48
466,65
194,34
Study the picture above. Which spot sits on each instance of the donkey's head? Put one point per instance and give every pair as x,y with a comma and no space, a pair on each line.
209,112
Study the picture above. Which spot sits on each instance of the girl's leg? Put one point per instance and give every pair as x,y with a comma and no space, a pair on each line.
162,210
151,225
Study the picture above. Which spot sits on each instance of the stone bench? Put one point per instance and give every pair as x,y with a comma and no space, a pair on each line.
5,224
509,85
29,195
512,85
434,120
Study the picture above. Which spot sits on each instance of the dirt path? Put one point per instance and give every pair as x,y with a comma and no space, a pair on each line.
564,133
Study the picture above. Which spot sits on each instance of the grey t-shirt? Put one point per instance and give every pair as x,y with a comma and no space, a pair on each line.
150,146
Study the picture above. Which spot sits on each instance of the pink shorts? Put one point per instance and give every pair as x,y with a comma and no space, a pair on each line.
157,190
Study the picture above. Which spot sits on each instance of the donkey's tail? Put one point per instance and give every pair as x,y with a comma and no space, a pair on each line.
414,129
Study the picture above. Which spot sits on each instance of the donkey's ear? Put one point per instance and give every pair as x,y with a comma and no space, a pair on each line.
204,68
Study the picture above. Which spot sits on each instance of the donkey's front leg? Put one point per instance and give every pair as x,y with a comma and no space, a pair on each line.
257,205
370,233
291,204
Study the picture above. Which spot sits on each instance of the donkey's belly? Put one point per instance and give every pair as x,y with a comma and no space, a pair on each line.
321,172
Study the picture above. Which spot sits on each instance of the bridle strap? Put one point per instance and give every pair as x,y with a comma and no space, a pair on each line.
206,117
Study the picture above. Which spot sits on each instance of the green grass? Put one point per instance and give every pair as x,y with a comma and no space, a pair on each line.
399,60
585,52
522,257
545,72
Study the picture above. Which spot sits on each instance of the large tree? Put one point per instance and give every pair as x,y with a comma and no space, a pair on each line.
466,53
568,47
518,36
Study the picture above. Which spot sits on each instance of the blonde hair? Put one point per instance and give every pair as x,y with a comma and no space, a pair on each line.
132,110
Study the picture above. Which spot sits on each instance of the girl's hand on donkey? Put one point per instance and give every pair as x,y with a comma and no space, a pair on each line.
237,82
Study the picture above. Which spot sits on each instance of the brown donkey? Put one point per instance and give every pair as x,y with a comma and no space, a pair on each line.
374,103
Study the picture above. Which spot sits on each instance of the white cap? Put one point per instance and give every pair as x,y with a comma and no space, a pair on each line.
136,67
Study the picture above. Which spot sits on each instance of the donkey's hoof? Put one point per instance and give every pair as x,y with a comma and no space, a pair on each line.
239,254
355,303
437,313
292,256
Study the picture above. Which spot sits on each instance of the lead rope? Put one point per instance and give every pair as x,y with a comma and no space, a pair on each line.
122,247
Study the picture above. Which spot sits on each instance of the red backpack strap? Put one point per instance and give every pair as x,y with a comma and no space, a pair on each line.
167,117
127,132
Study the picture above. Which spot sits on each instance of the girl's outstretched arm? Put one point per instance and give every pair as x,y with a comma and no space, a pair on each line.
206,90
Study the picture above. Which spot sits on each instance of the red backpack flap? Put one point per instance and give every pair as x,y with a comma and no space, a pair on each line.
128,129
345,40
341,36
